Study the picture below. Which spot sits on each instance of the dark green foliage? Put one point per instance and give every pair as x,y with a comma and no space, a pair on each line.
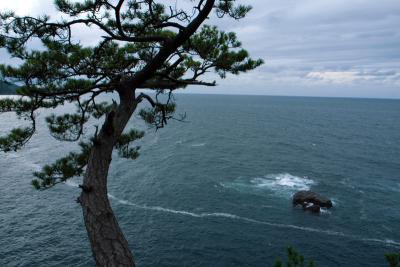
294,260
219,50
23,106
158,115
393,259
125,140
99,110
67,127
146,44
152,45
228,7
297,260
16,139
67,167
24,109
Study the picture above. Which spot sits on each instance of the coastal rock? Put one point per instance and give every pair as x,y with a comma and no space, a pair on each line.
311,201
314,208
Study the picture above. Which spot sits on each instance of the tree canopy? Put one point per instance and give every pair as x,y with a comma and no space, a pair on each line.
144,44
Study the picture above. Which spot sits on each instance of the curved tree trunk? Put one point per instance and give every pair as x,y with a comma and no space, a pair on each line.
108,243
109,246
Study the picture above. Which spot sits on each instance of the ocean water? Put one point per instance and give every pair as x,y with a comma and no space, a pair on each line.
216,190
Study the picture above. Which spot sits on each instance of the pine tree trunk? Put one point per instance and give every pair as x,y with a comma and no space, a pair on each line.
109,246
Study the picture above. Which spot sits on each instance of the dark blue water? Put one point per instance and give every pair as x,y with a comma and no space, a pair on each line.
216,191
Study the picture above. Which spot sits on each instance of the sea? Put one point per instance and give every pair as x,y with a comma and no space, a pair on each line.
216,189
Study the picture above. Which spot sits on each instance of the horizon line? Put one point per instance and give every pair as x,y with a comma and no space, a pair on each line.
273,95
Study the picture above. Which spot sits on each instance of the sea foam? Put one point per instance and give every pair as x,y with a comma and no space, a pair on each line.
71,183
387,242
283,183
198,145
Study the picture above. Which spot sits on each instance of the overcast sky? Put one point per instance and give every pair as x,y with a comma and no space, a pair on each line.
347,48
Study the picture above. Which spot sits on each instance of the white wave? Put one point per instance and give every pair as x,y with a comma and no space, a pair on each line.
283,181
335,201
387,228
71,183
250,220
284,184
220,214
34,166
325,211
226,185
388,242
154,208
198,145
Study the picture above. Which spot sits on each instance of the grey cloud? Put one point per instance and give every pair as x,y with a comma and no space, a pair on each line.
299,37
378,73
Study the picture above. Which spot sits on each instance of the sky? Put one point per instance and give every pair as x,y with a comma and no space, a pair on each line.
334,48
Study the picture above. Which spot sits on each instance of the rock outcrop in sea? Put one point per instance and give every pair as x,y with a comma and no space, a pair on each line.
311,201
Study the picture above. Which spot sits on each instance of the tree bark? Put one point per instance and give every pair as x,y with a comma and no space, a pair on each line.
109,246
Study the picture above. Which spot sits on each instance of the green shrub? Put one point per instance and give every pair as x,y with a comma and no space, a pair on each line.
294,260
393,259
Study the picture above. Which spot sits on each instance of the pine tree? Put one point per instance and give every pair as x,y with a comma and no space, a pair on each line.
393,259
294,259
143,44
